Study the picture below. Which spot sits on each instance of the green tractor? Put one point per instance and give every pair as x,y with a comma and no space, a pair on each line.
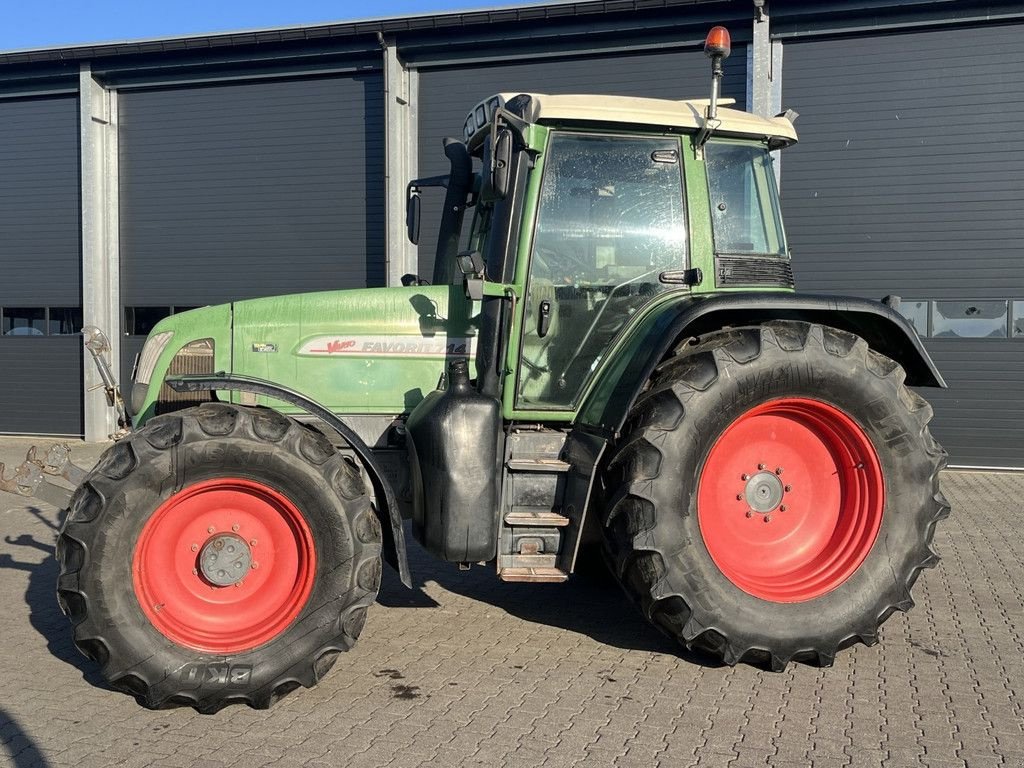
609,361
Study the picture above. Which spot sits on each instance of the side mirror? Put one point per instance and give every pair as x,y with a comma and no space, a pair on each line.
412,215
501,162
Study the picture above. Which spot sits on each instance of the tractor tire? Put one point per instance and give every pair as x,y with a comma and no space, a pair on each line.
219,554
774,494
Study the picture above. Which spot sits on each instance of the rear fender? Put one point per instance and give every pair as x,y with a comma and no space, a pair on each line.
655,336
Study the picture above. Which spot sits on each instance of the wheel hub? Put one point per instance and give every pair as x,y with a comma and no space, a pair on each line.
225,559
763,492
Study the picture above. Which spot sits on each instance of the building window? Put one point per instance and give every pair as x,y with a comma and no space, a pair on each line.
64,321
917,313
139,321
965,319
969,319
24,321
40,321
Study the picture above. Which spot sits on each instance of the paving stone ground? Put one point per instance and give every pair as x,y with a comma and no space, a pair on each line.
467,671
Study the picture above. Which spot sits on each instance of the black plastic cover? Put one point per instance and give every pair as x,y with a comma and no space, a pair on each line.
454,445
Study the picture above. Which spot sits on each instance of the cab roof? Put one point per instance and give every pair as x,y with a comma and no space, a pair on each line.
629,110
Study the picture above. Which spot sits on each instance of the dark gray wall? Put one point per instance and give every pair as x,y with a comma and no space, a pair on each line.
446,95
243,190
40,207
40,256
909,179
41,393
233,191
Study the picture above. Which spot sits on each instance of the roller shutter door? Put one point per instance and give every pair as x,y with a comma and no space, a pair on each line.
40,251
249,189
909,180
447,94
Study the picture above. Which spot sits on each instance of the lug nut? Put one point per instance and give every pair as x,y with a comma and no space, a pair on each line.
195,571
778,470
210,529
254,565
788,488
782,508
760,466
739,497
195,547
235,527
252,543
767,518
744,477
749,513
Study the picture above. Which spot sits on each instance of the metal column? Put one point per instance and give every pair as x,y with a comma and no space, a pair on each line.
101,294
764,73
400,159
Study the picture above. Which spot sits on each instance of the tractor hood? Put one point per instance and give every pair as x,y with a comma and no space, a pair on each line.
364,351
375,350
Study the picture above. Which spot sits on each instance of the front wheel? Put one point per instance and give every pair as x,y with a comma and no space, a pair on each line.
218,554
774,495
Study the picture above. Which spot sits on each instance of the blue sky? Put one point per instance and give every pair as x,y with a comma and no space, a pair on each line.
44,23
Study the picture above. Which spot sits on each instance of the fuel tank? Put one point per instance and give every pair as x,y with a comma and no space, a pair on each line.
455,445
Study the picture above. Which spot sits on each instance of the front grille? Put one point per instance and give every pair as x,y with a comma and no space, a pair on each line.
193,358
734,271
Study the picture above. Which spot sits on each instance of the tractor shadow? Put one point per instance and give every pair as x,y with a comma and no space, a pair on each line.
18,745
590,604
41,596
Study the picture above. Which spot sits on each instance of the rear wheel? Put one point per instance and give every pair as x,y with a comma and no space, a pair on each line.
219,554
774,494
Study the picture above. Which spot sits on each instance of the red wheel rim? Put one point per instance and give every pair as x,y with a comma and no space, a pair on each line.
170,581
790,499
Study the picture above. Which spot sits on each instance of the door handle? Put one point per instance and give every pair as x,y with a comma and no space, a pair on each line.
543,318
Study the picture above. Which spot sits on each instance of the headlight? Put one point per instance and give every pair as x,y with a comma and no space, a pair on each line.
150,352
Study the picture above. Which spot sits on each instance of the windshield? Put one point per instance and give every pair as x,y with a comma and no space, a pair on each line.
744,200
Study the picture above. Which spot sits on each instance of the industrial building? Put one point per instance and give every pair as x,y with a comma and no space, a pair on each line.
139,179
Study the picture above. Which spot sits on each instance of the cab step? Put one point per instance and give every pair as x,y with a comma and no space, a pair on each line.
537,464
535,575
535,517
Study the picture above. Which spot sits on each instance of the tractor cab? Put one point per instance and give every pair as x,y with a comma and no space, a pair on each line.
594,207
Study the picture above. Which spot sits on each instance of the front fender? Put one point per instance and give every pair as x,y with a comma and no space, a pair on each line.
388,512
654,336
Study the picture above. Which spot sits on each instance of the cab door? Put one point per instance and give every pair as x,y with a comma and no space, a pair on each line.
611,220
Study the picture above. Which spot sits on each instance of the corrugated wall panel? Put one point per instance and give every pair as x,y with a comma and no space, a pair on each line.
908,179
40,255
446,96
251,189
41,389
980,418
40,206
